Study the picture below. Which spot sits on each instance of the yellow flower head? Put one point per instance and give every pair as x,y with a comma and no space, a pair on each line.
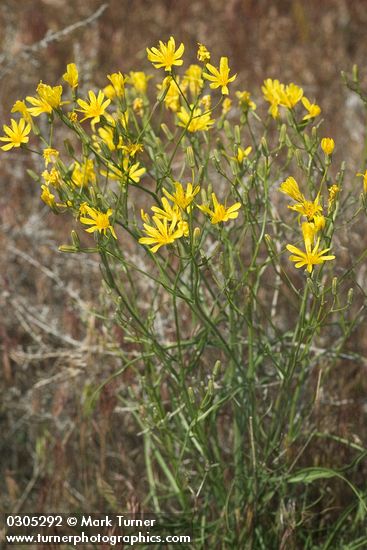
73,116
47,197
290,95
245,102
168,211
220,212
139,80
71,76
138,106
193,79
49,98
181,197
327,145
203,54
83,173
308,231
20,107
308,209
161,233
313,109
319,222
364,176
118,83
309,258
166,55
52,178
172,96
133,171
16,134
226,106
50,155
198,122
132,149
219,78
83,208
290,188
333,193
95,108
206,102
243,153
107,135
273,91
99,221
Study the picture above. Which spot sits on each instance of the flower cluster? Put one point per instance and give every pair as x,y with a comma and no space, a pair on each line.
116,144
281,95
311,228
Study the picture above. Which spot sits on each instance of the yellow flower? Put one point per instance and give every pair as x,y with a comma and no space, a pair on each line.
71,76
166,55
333,192
83,208
193,79
20,107
308,208
49,98
304,207
99,221
290,95
107,135
206,102
220,212
163,233
138,106
226,106
95,108
172,96
203,53
319,222
118,83
52,178
47,197
313,109
181,197
132,149
310,257
16,135
73,116
198,122
219,78
364,176
290,188
245,102
83,173
243,153
168,211
273,90
134,171
139,80
50,155
327,145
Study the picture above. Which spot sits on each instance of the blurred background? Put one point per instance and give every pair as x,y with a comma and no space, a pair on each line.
56,452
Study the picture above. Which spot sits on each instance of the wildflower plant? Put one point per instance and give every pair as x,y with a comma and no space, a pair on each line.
183,194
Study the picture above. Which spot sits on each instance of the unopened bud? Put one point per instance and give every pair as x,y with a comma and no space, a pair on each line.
350,296
334,285
216,369
75,239
67,248
190,391
264,146
167,132
190,157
